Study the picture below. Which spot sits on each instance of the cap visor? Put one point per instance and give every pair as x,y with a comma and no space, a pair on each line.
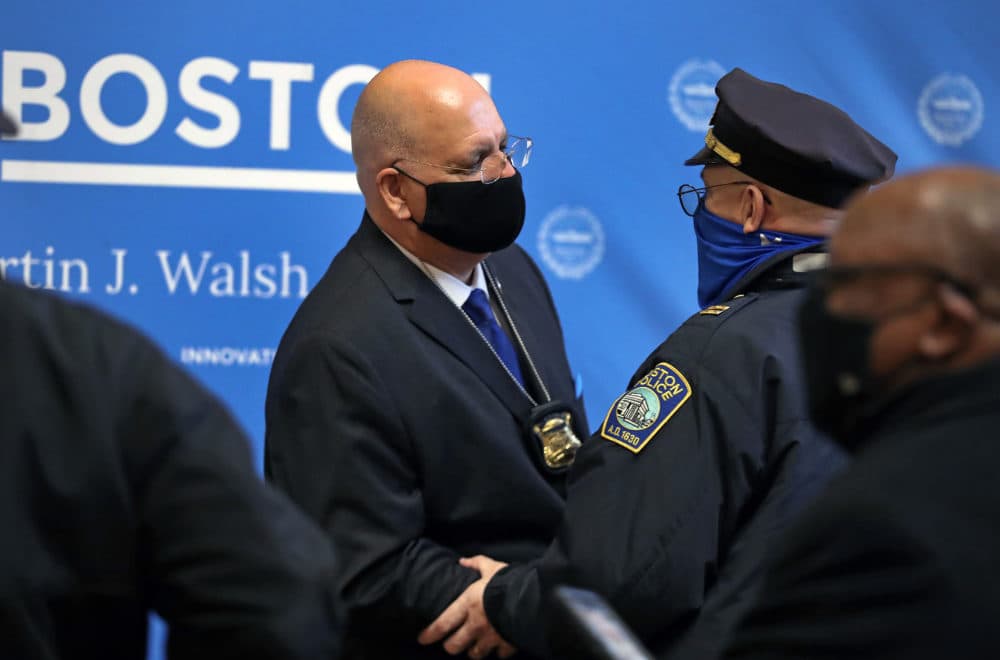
705,157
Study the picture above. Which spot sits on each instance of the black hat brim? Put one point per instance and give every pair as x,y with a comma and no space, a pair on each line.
705,156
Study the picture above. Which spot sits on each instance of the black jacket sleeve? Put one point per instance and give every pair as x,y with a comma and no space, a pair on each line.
678,526
640,528
337,445
849,582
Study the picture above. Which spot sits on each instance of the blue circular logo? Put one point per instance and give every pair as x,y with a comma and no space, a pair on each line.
950,109
692,93
571,242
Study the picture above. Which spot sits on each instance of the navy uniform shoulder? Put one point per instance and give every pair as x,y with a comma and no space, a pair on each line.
723,340
749,323
711,341
764,315
717,315
699,330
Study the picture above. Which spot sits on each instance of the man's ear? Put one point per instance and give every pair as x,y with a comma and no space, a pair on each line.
752,209
389,183
955,325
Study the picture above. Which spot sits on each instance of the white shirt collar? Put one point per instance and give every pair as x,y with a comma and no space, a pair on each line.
456,290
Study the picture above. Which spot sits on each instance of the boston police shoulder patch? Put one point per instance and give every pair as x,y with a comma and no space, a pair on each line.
642,411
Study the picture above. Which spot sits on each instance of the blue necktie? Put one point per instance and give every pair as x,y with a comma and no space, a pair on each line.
478,309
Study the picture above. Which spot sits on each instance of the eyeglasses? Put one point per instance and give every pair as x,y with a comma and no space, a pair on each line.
690,197
840,276
517,152
859,279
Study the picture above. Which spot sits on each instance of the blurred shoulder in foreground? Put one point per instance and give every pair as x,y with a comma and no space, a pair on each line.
126,487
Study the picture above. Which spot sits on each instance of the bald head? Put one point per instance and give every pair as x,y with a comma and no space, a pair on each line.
418,124
946,217
410,110
898,241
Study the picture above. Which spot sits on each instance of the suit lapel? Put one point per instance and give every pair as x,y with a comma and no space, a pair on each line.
428,308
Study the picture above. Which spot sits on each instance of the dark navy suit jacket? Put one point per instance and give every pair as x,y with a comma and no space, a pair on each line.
391,423
897,558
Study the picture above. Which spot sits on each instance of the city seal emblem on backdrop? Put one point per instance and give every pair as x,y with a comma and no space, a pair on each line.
571,242
950,109
641,412
692,93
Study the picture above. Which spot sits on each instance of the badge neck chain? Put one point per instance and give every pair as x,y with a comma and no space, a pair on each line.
491,282
495,291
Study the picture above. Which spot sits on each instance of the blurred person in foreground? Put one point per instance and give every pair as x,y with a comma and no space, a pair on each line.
126,488
901,339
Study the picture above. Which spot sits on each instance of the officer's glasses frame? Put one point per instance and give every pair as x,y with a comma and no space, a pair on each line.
690,197
517,152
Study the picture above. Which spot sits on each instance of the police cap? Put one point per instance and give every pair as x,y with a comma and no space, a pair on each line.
794,142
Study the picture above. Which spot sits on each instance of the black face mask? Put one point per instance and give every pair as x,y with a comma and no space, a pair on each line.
835,354
473,216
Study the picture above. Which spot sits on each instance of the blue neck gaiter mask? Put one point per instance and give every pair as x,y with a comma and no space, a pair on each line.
726,254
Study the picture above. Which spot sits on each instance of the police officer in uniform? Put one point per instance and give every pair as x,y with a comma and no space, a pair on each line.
709,452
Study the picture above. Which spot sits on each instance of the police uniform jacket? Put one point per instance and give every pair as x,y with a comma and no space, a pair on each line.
391,422
898,557
125,487
670,520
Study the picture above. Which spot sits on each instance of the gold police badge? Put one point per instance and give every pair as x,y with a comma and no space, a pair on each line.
551,425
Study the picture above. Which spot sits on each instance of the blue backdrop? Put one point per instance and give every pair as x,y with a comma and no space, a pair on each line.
186,166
